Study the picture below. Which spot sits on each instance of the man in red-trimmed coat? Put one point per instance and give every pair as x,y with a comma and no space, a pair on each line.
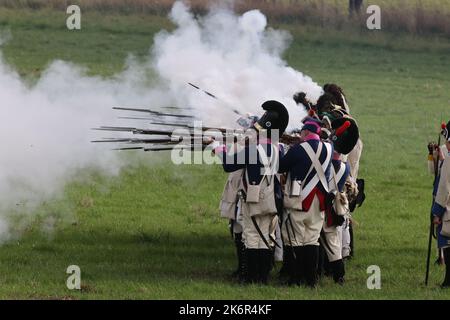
307,163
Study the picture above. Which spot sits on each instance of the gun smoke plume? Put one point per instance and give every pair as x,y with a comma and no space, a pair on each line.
45,127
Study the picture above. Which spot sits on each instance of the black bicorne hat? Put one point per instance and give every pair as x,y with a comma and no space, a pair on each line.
346,134
276,117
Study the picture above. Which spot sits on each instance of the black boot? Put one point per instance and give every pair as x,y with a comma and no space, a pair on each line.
322,263
310,264
297,272
252,265
324,267
265,265
241,258
338,269
288,261
446,283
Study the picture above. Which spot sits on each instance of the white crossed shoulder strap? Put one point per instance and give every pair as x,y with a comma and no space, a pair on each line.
320,168
337,176
267,162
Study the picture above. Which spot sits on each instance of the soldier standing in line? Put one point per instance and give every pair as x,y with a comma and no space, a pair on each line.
332,105
230,208
441,207
307,165
259,188
344,137
436,156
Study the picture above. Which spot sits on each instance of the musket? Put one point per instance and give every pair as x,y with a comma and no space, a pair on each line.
177,124
191,147
143,131
204,91
173,140
214,97
156,121
189,126
169,133
432,228
290,139
167,142
157,113
128,148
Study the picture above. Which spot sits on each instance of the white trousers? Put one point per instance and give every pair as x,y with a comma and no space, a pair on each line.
266,224
303,228
333,246
346,239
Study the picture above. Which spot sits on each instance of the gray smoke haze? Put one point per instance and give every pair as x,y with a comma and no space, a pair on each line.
45,129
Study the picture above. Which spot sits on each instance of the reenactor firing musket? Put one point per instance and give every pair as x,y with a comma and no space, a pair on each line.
172,139
331,112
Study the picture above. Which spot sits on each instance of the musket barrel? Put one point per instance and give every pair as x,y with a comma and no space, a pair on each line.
158,113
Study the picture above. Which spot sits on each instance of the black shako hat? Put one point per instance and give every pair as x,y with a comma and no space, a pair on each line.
275,117
346,134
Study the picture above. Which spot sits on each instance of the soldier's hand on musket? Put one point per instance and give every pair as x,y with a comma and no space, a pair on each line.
208,139
431,147
437,220
211,143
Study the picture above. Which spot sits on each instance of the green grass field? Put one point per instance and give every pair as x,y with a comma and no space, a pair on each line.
135,237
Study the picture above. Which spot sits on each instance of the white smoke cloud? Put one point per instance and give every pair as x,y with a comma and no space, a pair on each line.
237,58
45,129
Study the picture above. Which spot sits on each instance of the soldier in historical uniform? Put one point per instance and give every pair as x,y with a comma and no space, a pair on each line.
230,207
307,165
334,219
441,207
436,156
345,135
331,106
260,188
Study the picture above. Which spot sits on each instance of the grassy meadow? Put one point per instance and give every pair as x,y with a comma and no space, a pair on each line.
154,231
411,16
